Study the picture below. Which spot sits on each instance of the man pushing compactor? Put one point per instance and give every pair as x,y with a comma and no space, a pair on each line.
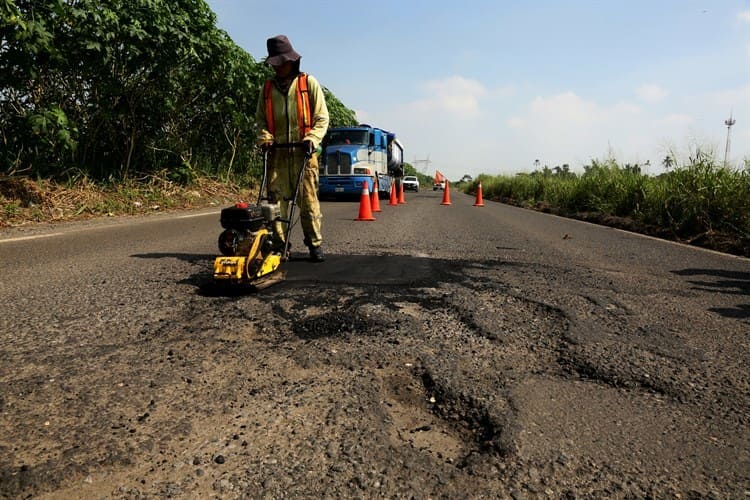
292,110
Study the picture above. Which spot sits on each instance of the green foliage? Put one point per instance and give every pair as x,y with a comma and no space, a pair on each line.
55,135
120,88
409,169
340,115
605,187
11,209
700,197
697,200
184,174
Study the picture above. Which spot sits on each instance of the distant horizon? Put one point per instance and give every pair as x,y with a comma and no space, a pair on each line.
490,87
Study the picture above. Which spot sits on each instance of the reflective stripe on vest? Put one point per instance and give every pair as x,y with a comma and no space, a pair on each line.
303,105
304,113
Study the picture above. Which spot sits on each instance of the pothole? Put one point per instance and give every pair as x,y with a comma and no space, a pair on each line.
466,413
413,424
334,324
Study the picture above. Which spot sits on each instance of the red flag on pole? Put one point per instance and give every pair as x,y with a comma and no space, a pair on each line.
438,177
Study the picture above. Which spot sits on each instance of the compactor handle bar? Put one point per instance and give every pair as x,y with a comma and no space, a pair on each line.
297,188
287,145
275,145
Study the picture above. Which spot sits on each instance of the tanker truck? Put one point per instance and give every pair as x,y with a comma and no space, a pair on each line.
353,155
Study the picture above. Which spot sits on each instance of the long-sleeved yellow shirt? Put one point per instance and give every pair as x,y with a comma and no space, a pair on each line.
285,114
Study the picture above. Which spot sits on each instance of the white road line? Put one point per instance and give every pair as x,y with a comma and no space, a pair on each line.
189,216
21,238
654,238
680,244
49,235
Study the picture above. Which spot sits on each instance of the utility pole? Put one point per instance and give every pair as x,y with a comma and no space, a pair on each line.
729,122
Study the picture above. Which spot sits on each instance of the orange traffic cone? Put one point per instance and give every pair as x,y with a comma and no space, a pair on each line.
479,202
375,196
401,199
446,194
394,198
365,212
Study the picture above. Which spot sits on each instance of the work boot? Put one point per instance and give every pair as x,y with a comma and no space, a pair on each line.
316,254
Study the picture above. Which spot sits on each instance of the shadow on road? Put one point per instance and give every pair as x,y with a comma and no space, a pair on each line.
345,270
725,282
187,257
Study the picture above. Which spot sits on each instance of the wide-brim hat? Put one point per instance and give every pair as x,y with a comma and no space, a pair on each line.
280,50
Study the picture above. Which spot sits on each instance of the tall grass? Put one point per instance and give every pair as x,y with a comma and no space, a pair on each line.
699,201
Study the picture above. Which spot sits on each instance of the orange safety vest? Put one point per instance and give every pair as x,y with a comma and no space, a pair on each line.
304,112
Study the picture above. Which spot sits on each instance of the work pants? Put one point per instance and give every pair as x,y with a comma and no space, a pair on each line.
283,176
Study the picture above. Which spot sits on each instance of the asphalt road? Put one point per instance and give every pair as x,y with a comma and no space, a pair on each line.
441,350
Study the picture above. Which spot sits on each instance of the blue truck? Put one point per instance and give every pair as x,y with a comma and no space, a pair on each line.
352,155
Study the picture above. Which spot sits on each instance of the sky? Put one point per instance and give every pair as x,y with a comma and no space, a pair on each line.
490,87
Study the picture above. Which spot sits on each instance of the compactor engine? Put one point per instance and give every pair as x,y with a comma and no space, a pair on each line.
241,224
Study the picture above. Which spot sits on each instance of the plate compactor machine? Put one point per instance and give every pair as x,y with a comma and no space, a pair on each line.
251,255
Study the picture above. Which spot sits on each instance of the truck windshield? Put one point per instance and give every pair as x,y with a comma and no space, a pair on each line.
347,137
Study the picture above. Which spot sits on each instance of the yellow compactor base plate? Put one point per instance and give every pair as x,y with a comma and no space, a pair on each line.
235,269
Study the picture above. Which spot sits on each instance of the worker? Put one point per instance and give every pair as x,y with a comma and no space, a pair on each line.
290,113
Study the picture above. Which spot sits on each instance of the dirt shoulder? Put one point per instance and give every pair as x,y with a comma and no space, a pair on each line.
712,240
24,201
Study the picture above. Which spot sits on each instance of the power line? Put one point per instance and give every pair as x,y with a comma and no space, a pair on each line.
427,162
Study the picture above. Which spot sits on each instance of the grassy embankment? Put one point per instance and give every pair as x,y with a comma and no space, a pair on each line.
25,201
700,202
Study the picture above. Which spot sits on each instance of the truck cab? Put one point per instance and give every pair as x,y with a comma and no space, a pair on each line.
353,155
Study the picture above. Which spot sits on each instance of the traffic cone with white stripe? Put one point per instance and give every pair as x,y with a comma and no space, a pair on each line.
375,196
365,211
479,202
394,198
446,193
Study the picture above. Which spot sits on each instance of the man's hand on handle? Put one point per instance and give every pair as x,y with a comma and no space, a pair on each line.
306,146
309,148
